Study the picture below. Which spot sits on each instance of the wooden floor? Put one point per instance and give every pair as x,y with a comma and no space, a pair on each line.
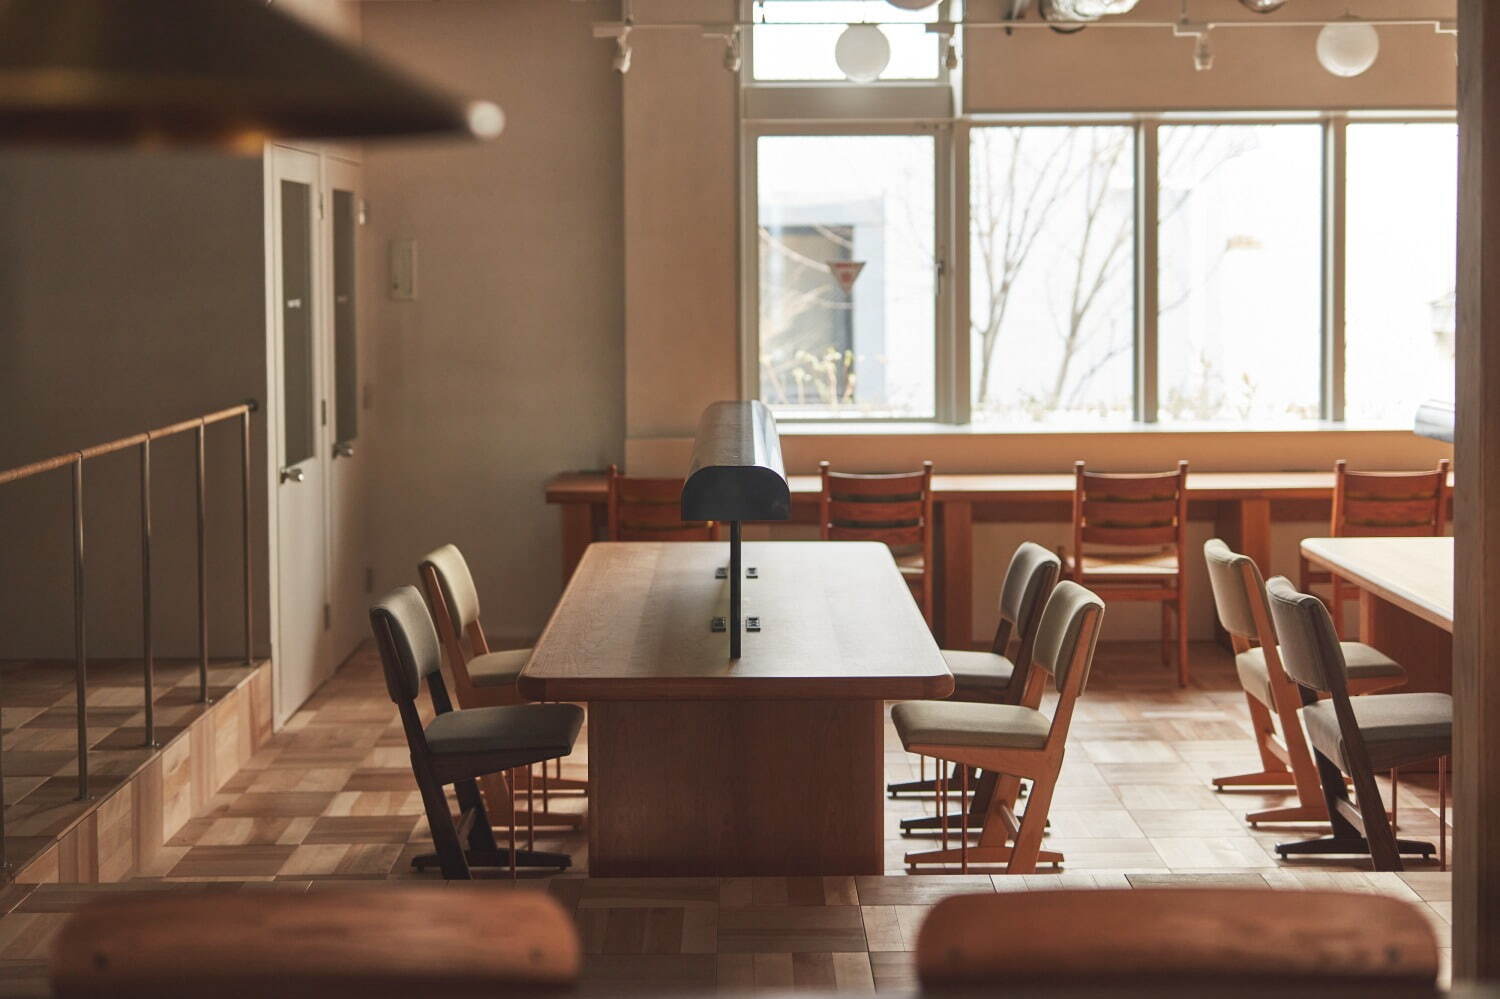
331,795
39,727
329,801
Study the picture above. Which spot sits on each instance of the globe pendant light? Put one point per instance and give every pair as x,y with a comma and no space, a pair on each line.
227,73
1348,46
862,52
912,4
1263,6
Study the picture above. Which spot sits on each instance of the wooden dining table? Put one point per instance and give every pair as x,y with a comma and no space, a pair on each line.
1405,599
1241,505
770,764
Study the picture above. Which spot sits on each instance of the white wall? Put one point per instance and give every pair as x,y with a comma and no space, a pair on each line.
508,366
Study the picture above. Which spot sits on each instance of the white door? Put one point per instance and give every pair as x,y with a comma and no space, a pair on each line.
302,655
343,211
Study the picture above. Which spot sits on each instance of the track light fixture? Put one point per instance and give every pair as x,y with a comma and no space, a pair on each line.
1203,55
732,51
623,53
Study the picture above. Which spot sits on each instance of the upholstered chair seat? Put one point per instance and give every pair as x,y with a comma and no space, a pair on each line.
951,723
1364,662
978,673
498,669
1397,728
532,731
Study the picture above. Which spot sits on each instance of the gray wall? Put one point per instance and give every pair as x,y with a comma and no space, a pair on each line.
131,296
509,365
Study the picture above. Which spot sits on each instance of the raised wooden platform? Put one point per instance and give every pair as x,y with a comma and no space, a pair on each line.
140,797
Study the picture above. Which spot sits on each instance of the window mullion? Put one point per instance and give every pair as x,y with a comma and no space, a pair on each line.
1147,288
1335,162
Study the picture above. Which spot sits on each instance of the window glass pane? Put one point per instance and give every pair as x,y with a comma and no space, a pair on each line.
345,336
1051,283
1400,251
831,203
296,321
1240,273
784,49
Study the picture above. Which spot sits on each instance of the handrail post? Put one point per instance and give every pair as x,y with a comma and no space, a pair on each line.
245,532
148,651
80,669
202,569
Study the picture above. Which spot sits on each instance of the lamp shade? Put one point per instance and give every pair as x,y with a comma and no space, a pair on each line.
862,52
230,73
1348,47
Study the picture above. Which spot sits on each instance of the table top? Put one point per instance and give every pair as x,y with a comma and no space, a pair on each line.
1415,574
837,621
590,487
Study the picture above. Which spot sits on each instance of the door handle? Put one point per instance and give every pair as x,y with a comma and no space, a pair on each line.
293,474
343,449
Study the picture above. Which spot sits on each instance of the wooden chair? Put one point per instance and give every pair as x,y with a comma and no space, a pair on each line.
894,508
387,941
1356,736
482,678
651,510
1142,519
1146,941
1009,739
1379,505
993,677
457,747
1240,600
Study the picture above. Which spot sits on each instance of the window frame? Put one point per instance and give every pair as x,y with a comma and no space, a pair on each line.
952,142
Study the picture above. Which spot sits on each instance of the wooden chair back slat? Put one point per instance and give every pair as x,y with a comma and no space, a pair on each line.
1138,937
1131,486
852,513
896,537
1130,513
387,942
1389,513
1140,536
881,485
643,509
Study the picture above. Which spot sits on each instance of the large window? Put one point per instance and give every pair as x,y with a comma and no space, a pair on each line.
847,276
1051,252
1401,247
1186,270
1239,263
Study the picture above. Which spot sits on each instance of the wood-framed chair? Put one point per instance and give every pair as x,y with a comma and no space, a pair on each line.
1012,740
1177,941
482,678
895,508
1356,736
993,677
384,941
1379,505
1240,600
642,509
458,746
1130,543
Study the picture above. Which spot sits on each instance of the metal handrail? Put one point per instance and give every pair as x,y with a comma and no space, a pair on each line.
74,460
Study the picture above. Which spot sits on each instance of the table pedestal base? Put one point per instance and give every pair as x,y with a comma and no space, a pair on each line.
683,788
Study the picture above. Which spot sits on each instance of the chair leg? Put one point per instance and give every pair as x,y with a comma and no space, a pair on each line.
1033,824
1184,669
481,836
1377,826
1395,798
1338,608
1442,768
1166,631
450,853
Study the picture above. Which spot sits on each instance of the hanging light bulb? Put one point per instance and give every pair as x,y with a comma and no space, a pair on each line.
1263,6
1348,46
623,52
862,52
732,52
912,4
1203,55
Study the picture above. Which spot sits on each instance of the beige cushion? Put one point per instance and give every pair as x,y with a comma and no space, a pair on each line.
1363,662
978,673
531,732
1398,728
910,563
1108,566
947,723
498,669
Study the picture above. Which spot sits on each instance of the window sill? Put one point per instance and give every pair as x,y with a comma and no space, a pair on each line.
895,428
